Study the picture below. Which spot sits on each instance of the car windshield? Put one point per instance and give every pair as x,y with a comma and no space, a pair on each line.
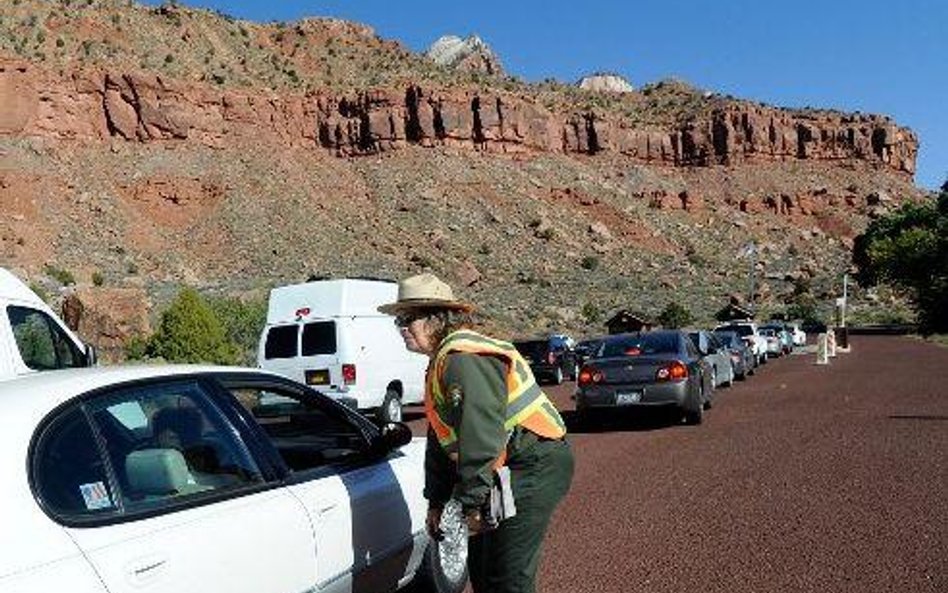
741,330
730,338
588,347
642,344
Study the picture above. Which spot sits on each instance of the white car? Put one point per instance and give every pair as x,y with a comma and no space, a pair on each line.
799,336
219,480
748,332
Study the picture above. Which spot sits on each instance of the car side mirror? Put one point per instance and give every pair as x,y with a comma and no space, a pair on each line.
392,436
92,357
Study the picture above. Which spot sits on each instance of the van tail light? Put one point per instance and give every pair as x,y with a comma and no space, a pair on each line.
673,371
589,376
348,374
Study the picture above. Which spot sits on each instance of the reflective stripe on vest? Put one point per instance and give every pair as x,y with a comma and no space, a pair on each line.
527,405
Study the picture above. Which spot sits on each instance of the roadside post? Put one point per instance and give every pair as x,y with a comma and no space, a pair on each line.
822,349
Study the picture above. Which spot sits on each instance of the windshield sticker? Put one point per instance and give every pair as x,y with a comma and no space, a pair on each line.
96,496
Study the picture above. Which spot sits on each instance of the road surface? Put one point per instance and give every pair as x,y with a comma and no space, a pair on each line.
803,478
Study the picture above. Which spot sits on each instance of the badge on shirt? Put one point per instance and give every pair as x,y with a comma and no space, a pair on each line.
455,394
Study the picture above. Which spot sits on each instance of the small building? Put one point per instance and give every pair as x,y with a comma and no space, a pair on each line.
625,321
732,312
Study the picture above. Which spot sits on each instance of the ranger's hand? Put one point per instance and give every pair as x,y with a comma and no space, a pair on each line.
433,523
475,522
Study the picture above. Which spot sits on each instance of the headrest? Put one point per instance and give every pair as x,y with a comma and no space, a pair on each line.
159,472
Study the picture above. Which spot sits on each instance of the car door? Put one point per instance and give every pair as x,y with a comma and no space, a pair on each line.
367,530
183,508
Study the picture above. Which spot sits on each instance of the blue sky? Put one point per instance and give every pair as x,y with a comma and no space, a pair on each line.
870,56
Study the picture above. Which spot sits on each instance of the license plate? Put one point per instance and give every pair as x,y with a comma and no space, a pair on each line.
629,397
320,377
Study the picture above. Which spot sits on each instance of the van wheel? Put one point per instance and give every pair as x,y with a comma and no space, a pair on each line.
444,566
391,408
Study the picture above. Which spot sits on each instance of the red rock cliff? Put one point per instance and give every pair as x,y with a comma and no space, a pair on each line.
96,106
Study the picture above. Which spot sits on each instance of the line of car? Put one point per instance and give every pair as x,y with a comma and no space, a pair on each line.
666,368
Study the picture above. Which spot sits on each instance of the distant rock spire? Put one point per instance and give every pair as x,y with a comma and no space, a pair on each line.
465,54
605,82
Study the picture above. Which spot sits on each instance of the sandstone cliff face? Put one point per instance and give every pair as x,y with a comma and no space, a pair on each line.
98,106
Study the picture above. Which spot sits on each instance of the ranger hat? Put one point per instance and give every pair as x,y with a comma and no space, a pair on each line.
424,291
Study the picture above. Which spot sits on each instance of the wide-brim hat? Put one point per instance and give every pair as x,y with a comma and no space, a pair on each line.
424,291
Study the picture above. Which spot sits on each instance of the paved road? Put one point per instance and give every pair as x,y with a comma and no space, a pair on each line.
803,478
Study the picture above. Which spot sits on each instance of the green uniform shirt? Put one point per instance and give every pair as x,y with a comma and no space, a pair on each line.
476,388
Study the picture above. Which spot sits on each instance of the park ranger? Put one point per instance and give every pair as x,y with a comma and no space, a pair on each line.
496,443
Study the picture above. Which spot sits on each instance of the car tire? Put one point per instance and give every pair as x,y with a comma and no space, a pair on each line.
694,416
444,566
391,408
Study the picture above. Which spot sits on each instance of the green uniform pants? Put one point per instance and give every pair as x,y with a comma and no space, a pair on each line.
505,560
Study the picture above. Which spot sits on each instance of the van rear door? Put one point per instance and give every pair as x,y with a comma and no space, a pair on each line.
280,349
319,354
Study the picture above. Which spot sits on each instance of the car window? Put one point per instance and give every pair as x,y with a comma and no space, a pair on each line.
641,344
691,350
42,343
319,338
532,348
307,433
280,342
741,330
69,475
167,441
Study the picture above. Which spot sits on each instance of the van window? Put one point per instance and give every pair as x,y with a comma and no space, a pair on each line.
281,342
319,338
43,345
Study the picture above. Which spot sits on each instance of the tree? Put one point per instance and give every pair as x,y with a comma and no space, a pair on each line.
243,322
909,250
190,332
674,316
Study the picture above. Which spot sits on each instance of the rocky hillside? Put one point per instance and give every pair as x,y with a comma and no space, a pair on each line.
146,148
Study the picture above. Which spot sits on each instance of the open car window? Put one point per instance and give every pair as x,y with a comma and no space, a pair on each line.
306,432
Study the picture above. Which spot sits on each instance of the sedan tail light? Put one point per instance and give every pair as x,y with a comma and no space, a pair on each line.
673,371
589,375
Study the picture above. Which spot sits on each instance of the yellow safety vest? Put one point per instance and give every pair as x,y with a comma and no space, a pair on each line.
527,405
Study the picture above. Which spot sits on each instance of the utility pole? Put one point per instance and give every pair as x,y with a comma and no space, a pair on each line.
751,250
845,298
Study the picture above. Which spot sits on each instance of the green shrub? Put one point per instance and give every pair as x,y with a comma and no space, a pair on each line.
674,316
136,348
40,292
97,278
591,313
243,322
190,332
62,276
590,262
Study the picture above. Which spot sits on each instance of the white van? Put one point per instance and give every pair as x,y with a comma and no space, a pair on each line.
330,335
32,337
